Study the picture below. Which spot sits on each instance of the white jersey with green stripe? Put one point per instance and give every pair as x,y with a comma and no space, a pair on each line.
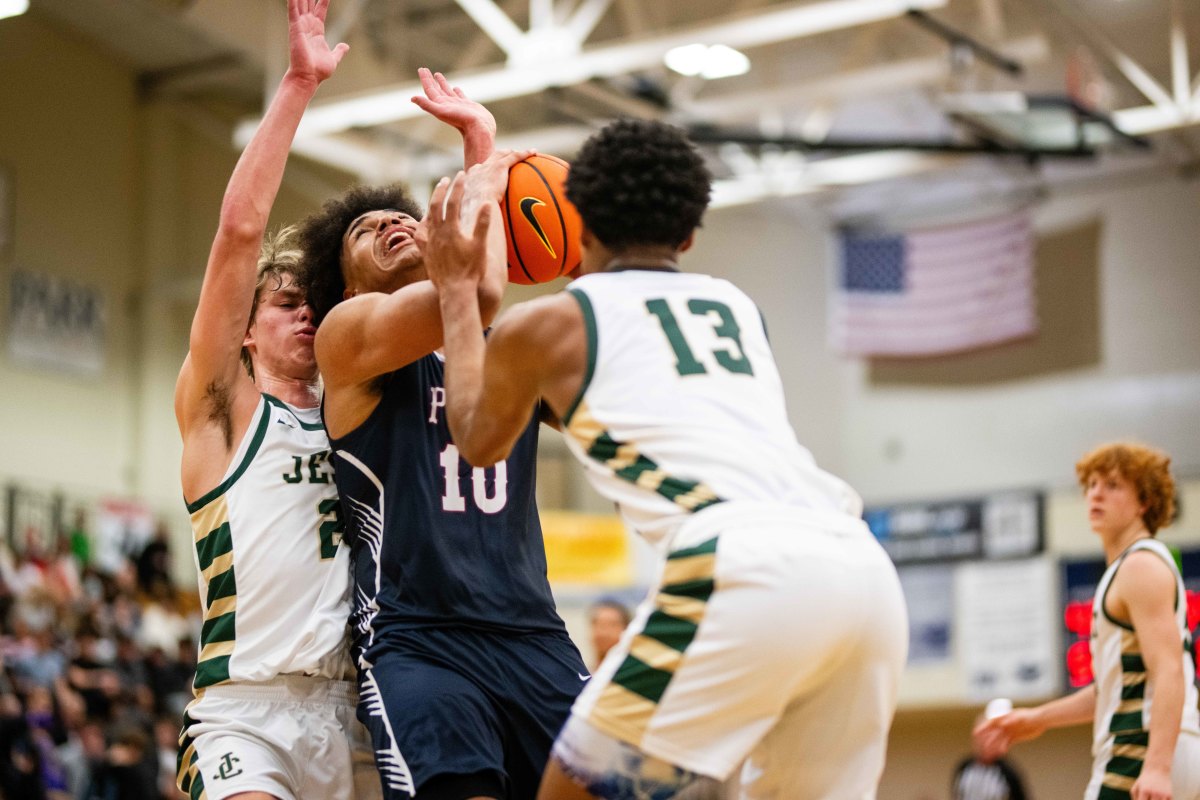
682,406
1124,699
274,575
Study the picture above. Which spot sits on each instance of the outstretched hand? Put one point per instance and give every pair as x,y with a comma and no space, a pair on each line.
310,55
455,249
995,736
487,181
448,104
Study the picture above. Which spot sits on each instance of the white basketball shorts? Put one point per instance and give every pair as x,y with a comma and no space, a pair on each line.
294,737
775,638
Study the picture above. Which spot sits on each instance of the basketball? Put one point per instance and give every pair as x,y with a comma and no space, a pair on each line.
541,225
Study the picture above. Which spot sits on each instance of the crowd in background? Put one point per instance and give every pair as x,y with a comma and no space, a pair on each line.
96,664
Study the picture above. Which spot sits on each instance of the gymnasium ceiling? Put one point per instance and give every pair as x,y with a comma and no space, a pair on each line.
850,103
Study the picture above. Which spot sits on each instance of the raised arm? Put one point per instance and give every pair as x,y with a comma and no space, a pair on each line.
451,106
535,351
213,366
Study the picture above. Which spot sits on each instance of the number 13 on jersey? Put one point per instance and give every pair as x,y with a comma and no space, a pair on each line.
731,356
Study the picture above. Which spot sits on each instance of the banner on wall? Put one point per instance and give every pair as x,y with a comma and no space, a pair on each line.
1007,624
929,595
1002,525
56,323
587,550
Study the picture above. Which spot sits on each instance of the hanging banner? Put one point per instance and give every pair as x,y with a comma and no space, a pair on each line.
56,323
1003,525
586,550
1008,628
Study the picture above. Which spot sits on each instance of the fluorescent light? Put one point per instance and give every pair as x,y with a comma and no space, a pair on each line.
13,8
687,59
707,61
986,102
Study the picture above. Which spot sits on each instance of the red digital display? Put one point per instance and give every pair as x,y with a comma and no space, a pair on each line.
1078,619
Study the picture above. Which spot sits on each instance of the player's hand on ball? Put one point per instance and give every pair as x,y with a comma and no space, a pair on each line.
455,249
487,181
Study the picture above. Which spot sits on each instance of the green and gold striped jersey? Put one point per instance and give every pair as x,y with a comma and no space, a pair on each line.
682,405
274,576
1124,699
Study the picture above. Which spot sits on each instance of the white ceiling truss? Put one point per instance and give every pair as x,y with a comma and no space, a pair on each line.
554,70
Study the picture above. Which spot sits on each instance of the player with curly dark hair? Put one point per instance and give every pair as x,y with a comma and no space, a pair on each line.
668,393
465,670
659,195
320,237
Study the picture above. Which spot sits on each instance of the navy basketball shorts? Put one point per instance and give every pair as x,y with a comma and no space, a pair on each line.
464,712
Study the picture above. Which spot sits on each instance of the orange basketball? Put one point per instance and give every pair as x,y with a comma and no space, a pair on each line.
542,226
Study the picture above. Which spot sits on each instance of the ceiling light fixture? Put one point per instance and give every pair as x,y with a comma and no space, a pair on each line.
776,24
13,8
708,61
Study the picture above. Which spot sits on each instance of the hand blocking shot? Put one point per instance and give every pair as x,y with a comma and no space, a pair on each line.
667,393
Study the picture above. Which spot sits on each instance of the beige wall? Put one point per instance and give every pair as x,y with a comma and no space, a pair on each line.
123,196
923,430
70,136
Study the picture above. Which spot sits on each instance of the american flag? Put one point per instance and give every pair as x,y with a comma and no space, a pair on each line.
935,291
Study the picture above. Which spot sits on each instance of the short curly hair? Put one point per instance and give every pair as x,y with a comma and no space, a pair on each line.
639,182
319,236
1146,468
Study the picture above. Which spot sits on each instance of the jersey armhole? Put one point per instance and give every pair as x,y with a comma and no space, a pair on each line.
589,326
251,451
1104,599
381,384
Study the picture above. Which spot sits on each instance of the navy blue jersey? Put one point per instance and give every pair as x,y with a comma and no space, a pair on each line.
435,542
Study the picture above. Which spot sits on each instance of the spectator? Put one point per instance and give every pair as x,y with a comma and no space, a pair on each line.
127,769
83,709
154,563
80,540
608,618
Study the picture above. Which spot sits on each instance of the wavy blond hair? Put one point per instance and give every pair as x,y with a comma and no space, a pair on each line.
278,258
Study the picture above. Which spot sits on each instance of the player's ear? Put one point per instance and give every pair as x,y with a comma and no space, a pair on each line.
586,237
688,242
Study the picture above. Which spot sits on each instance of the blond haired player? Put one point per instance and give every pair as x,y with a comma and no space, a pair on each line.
1142,705
776,633
274,709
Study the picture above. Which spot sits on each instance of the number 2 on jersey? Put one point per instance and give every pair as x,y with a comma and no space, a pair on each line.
724,326
331,528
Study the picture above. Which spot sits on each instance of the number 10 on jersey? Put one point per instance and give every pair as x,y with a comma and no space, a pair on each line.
452,498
